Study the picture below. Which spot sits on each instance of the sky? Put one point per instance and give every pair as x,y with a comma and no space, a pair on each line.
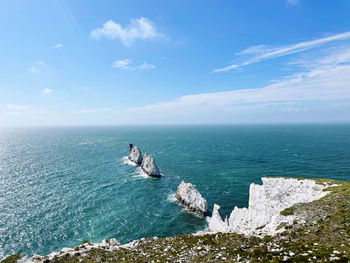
139,62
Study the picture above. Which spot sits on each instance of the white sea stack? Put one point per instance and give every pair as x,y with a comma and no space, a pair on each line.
216,224
149,166
191,198
135,155
265,204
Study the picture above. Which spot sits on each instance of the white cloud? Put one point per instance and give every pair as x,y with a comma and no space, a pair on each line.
34,69
37,66
293,2
17,110
146,66
47,91
259,53
122,64
333,56
17,107
328,80
125,64
58,45
140,28
22,113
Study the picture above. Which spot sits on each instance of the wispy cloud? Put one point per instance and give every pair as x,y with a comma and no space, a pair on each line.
47,91
58,46
259,53
126,64
146,66
37,66
328,80
140,28
122,64
17,107
319,91
330,57
22,111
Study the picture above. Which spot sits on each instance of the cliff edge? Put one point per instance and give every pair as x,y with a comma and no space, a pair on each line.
319,232
266,202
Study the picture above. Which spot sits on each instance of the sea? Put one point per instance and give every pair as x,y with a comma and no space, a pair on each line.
62,185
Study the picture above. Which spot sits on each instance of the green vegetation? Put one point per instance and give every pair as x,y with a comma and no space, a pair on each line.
288,211
321,233
260,227
86,242
282,225
11,259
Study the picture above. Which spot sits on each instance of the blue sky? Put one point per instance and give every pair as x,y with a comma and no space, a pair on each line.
174,62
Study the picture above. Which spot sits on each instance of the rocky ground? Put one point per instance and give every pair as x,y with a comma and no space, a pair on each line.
320,234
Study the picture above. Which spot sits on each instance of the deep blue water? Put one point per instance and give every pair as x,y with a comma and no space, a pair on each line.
59,186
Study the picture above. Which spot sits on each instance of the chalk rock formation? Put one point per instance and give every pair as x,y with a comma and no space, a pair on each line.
135,155
191,198
216,224
265,204
149,166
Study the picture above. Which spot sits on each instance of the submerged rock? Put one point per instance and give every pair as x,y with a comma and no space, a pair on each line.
149,166
191,198
135,155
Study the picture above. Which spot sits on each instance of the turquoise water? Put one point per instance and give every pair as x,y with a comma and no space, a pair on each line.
59,186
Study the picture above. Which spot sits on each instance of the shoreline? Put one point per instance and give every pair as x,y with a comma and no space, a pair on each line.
301,211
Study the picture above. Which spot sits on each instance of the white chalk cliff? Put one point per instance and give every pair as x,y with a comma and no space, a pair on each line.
191,198
216,224
149,166
265,204
135,155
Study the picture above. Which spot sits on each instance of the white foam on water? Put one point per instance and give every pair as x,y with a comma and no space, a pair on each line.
203,231
87,142
126,160
171,198
140,173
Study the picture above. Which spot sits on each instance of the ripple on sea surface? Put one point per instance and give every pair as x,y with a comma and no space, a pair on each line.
59,186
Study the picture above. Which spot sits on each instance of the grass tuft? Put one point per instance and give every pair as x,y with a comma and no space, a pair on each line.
11,259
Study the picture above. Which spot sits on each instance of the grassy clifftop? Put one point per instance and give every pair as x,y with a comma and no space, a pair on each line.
320,234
